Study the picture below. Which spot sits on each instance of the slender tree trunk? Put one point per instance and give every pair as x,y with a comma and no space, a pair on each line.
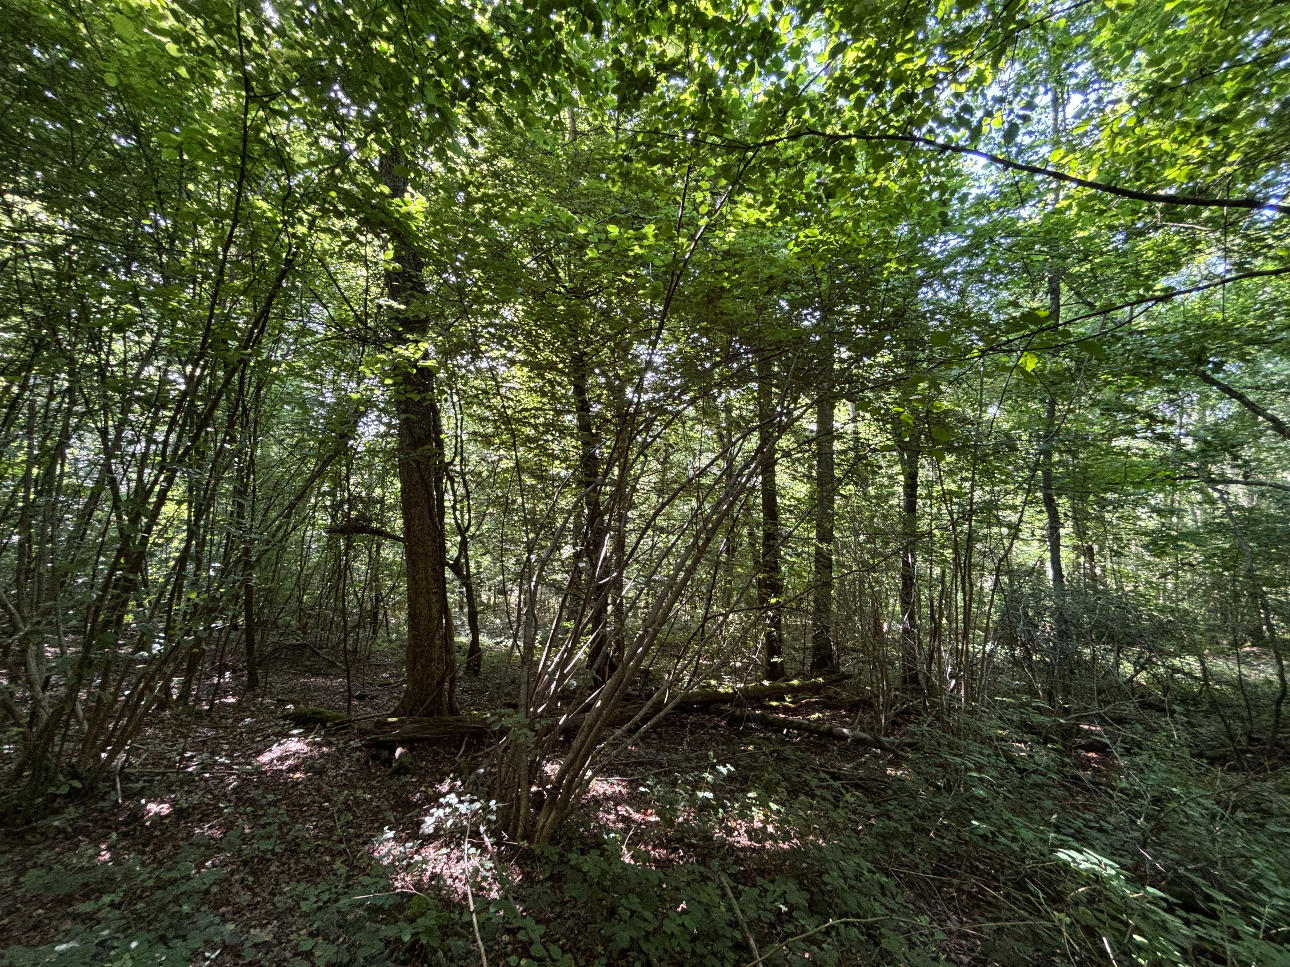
1061,643
1053,531
244,501
909,440
475,652
1084,542
248,615
823,649
770,580
592,555
431,662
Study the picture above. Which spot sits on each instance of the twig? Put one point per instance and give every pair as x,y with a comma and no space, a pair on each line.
340,832
739,915
824,926
470,898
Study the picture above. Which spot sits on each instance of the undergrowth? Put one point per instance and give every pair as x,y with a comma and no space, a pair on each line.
1013,838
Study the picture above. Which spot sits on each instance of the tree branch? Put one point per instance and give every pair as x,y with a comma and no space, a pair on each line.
1272,419
362,527
1164,198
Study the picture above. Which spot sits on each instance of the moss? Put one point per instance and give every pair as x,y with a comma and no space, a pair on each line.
313,715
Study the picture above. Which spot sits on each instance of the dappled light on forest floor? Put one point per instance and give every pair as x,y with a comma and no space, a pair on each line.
286,755
943,849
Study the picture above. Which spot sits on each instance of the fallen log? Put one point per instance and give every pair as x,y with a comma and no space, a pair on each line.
307,715
394,731
702,698
809,727
398,731
759,692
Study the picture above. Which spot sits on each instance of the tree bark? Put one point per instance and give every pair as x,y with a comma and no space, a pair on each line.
1270,418
475,651
770,579
1054,521
908,442
823,650
394,731
244,499
431,663
592,559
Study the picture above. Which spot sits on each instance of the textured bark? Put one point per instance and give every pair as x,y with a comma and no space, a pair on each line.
431,663
244,510
759,692
1053,528
399,731
1051,511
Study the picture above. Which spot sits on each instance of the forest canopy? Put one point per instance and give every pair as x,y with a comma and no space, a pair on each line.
898,374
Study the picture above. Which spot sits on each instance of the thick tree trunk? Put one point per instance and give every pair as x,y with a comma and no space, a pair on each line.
431,663
770,580
823,650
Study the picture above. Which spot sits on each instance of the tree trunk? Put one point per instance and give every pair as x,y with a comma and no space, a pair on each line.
244,500
908,443
1087,549
1054,521
770,580
475,651
823,650
591,560
431,663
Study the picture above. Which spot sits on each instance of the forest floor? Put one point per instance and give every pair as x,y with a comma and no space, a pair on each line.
1010,837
